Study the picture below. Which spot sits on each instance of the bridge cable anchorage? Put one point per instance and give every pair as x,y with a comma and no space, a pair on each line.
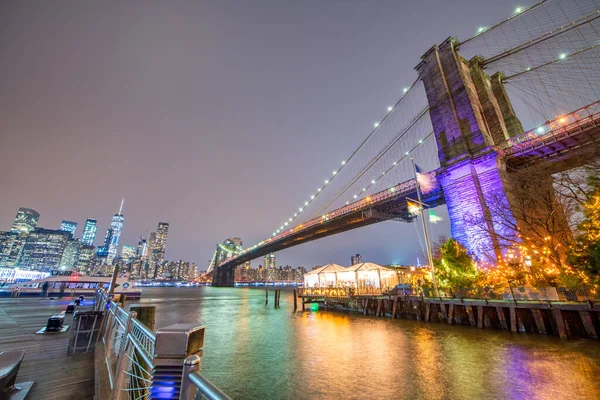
521,11
588,19
352,155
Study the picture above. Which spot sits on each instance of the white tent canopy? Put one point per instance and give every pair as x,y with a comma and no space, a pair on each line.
367,277
323,276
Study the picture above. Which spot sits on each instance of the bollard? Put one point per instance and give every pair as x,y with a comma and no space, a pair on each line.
145,314
173,345
188,389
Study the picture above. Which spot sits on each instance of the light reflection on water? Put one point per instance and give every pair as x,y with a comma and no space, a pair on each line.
253,351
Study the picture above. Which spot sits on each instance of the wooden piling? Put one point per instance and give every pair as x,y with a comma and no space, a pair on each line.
451,314
295,299
379,304
145,314
513,319
588,324
427,311
395,307
480,311
267,296
469,310
366,307
560,323
502,318
539,320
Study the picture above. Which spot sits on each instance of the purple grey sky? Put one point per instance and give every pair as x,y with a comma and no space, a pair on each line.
218,117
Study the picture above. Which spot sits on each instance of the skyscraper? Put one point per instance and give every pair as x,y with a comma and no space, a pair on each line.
69,226
43,249
85,258
116,225
142,248
160,245
103,250
270,261
128,254
70,254
150,261
26,220
11,244
89,232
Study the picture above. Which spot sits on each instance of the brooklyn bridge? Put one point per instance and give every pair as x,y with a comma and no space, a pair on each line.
520,96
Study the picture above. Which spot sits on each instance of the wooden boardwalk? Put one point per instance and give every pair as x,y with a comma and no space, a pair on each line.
56,375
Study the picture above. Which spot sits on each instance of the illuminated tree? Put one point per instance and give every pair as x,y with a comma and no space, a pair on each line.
585,252
456,269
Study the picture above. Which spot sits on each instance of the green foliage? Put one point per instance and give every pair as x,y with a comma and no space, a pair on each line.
455,268
584,254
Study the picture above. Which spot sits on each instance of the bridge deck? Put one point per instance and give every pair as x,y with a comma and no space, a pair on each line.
56,375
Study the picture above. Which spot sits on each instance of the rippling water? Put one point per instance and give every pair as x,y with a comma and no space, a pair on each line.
253,351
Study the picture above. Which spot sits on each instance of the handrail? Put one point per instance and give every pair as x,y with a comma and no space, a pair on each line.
131,358
206,387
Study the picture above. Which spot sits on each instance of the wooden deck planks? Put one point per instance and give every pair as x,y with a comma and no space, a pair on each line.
56,375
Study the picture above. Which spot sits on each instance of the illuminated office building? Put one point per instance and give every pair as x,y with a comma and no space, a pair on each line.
25,221
43,249
270,261
89,232
116,226
160,244
69,226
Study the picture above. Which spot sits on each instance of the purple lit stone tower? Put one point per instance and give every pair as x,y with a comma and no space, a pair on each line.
470,113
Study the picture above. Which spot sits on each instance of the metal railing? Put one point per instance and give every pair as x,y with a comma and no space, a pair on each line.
137,367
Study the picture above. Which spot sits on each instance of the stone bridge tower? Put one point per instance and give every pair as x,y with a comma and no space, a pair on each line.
471,113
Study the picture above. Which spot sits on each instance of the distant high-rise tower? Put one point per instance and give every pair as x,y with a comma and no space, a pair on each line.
116,225
103,250
89,232
150,254
26,220
160,245
356,259
142,248
128,254
69,226
270,261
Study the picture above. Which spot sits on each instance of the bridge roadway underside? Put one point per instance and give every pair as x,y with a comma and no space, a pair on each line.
394,208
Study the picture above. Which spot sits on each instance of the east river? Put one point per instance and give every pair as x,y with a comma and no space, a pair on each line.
253,351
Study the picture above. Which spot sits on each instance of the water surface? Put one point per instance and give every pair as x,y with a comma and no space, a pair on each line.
253,351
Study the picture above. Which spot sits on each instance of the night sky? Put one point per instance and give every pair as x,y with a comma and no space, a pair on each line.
218,117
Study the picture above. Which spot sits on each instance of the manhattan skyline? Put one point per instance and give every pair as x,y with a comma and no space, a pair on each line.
219,128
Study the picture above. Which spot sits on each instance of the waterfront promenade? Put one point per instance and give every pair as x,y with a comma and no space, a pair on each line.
56,374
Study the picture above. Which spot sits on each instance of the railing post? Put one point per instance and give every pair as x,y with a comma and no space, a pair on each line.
108,329
188,389
122,362
173,345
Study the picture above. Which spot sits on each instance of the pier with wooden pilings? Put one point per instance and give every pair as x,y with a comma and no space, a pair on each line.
564,319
